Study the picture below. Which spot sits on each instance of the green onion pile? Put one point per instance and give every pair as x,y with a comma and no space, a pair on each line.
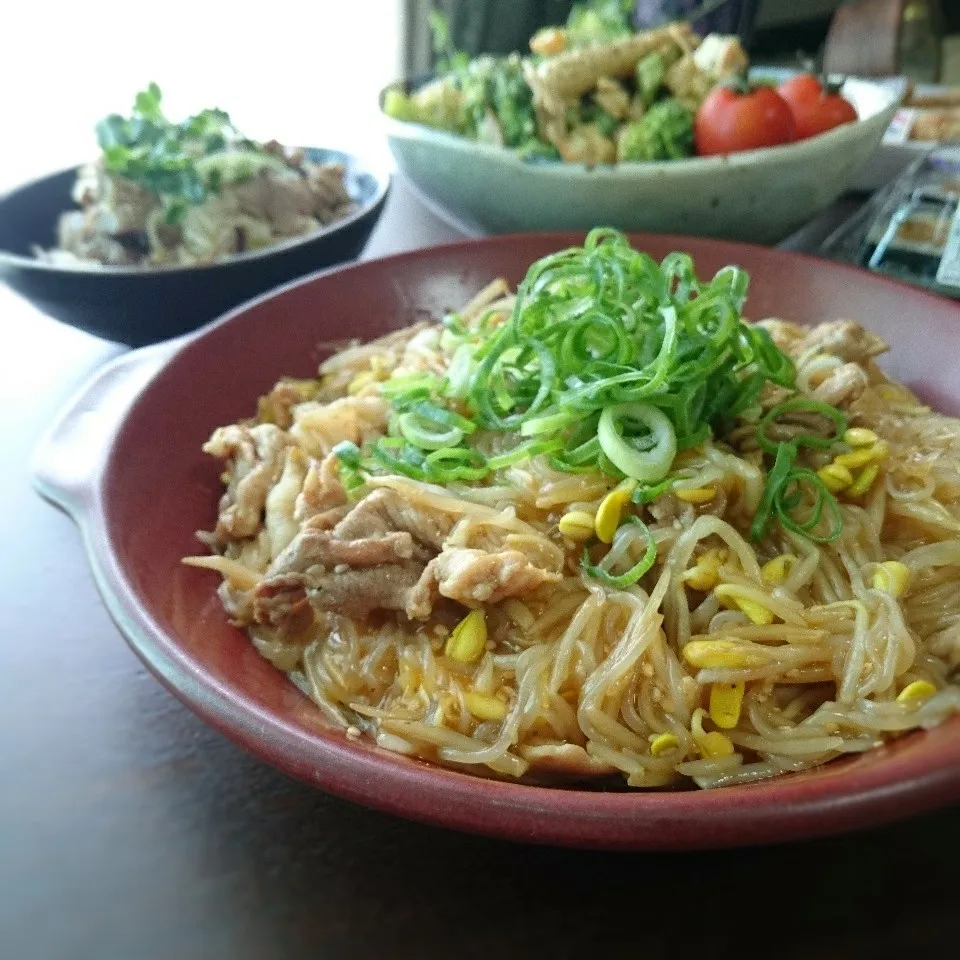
609,362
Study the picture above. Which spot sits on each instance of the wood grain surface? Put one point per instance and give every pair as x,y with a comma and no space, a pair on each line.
130,830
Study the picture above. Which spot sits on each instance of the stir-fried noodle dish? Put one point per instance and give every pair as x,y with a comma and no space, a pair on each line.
602,525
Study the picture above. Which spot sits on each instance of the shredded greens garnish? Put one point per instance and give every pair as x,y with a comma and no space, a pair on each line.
180,162
608,362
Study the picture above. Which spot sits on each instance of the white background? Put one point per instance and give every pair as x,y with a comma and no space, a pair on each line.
300,72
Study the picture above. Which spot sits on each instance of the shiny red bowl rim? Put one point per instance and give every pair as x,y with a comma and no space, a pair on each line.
919,773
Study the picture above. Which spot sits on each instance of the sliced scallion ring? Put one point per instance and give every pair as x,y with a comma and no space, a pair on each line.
427,434
646,466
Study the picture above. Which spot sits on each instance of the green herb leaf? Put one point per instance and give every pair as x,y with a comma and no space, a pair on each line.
162,156
147,103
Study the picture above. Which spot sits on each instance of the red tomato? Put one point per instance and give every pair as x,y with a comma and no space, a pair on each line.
816,108
734,118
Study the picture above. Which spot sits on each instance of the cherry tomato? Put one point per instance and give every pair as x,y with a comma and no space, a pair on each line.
816,107
737,117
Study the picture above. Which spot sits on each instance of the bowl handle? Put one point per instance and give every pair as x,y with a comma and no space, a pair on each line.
71,454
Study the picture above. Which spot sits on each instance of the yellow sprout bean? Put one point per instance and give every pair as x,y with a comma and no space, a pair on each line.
835,477
891,391
726,701
777,570
700,578
611,509
916,692
720,654
892,577
712,744
485,707
855,459
861,457
577,525
715,744
469,638
757,612
863,481
659,745
860,437
697,495
705,574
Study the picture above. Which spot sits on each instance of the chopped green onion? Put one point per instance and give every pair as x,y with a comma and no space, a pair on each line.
783,504
348,454
608,362
456,463
691,440
782,494
801,405
460,371
585,454
631,576
646,494
547,424
524,451
786,454
402,464
416,429
646,466
501,362
408,386
450,418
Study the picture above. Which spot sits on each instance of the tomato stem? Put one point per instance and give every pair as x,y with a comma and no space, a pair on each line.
738,83
814,66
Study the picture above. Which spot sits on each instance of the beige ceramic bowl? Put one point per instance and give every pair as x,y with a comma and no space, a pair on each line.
758,195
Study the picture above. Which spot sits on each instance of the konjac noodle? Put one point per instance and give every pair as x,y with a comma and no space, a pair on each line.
602,525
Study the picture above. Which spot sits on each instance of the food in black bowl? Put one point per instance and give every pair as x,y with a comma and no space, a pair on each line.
174,223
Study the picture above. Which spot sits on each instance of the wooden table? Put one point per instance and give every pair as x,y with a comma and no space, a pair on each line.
131,831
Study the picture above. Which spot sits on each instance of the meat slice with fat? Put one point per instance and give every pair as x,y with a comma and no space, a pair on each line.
389,553
257,455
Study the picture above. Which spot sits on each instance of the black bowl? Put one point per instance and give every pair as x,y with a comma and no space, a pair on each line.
136,305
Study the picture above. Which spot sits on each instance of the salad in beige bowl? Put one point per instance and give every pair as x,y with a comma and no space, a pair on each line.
660,130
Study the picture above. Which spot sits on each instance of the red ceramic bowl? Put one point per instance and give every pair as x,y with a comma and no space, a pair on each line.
125,461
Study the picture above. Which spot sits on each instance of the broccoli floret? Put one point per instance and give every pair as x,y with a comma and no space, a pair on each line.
437,105
606,123
665,132
511,99
534,150
462,101
598,21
